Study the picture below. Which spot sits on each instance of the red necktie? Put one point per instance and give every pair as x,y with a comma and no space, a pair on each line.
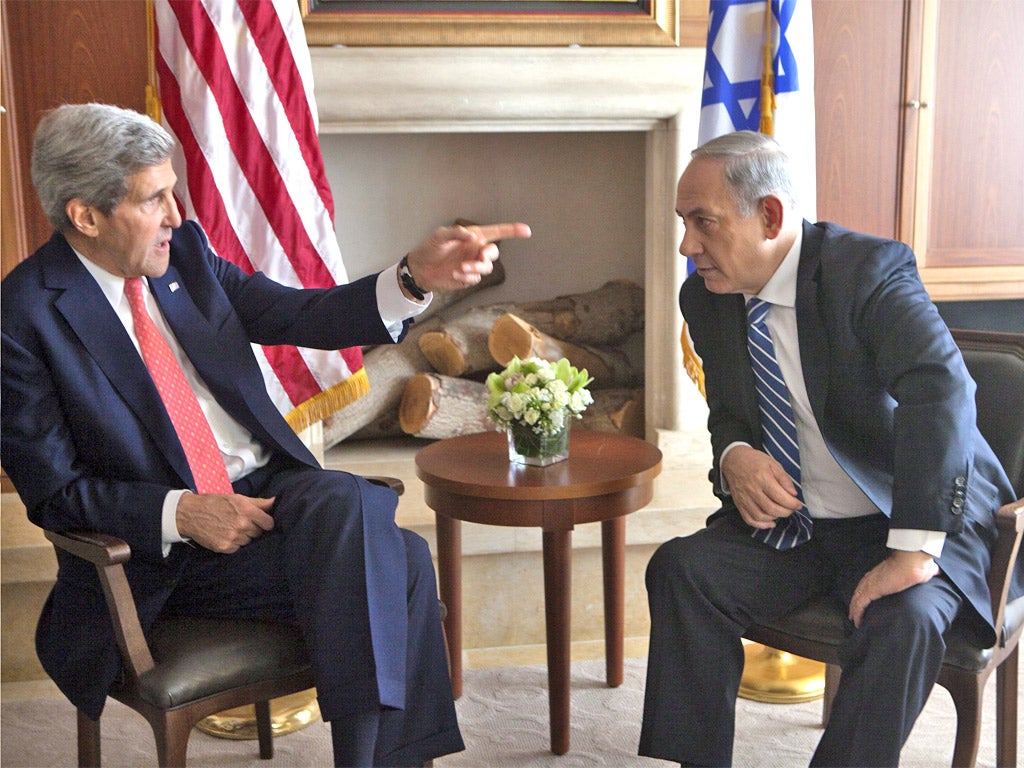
189,421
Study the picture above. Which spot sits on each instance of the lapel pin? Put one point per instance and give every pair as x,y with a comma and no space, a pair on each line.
173,287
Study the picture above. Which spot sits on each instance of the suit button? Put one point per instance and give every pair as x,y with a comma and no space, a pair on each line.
960,482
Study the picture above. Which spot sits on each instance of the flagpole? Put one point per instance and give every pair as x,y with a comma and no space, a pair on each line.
152,97
767,125
771,675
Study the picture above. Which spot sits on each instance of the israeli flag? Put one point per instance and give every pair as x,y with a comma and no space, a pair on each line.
733,67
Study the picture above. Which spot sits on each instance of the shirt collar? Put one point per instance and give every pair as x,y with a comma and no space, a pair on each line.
780,290
112,285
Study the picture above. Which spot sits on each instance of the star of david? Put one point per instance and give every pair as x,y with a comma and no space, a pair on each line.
736,84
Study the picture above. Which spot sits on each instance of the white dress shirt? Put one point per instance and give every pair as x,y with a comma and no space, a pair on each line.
828,491
240,451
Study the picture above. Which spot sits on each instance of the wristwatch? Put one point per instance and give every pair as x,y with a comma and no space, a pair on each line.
408,281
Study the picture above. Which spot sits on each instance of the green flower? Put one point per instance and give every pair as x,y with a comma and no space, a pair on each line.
538,393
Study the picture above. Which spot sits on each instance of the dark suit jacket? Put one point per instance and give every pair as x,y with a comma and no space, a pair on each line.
86,439
887,385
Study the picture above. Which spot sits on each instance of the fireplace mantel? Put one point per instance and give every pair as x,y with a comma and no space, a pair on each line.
511,90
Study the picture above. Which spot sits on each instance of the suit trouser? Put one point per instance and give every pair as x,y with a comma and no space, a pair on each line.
364,593
705,589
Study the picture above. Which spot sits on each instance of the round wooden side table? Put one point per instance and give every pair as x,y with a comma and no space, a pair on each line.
606,477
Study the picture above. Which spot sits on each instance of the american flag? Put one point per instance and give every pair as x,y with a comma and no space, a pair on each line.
236,91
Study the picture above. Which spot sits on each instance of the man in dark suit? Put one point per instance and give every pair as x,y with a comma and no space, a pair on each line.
893,480
89,444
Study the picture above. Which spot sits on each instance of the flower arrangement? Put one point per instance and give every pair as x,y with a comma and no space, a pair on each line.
539,394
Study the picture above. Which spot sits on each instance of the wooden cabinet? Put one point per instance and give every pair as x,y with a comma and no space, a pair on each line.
56,52
969,183
918,134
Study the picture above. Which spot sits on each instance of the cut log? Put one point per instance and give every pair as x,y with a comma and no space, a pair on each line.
511,336
606,316
616,410
459,348
388,366
437,407
384,426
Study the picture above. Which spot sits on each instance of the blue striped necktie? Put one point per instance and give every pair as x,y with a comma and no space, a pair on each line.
777,425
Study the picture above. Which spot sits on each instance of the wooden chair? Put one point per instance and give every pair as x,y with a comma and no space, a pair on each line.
189,668
996,361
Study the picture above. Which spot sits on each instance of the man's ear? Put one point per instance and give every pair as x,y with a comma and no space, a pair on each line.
83,217
772,211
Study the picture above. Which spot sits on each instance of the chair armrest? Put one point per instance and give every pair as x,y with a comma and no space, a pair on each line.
1010,524
108,554
393,483
98,548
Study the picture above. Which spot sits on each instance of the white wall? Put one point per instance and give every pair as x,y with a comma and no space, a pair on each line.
582,194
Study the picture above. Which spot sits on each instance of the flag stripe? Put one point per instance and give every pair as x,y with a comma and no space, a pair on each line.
270,40
277,116
298,382
247,143
236,82
203,190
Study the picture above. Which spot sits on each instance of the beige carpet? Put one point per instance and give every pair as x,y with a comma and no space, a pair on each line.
503,713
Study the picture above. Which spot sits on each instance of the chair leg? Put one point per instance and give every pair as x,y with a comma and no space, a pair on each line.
264,730
1006,711
967,696
88,741
171,733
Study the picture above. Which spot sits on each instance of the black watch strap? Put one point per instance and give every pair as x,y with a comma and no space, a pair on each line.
408,281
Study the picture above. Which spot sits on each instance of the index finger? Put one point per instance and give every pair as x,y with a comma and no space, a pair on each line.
492,232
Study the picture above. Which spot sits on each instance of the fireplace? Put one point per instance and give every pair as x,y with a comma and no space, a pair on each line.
649,96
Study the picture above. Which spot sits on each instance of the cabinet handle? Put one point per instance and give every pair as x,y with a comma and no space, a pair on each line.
915,104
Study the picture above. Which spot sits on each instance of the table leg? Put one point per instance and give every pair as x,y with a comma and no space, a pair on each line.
557,614
613,554
449,573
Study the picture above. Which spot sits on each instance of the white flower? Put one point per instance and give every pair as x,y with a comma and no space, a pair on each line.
538,393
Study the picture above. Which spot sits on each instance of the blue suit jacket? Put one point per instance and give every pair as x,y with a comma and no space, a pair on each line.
86,439
887,385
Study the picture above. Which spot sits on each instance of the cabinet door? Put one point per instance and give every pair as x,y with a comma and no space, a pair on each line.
58,52
962,212
858,89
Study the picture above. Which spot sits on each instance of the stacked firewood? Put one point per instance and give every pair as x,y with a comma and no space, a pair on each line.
431,384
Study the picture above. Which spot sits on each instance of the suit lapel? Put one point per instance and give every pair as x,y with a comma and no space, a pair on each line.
736,324
811,330
222,366
86,310
194,331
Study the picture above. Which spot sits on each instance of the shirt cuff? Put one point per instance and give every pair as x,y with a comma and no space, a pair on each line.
917,540
394,306
169,521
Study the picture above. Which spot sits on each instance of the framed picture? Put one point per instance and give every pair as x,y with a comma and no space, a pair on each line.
505,22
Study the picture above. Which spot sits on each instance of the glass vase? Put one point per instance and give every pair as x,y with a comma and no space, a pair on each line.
527,447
